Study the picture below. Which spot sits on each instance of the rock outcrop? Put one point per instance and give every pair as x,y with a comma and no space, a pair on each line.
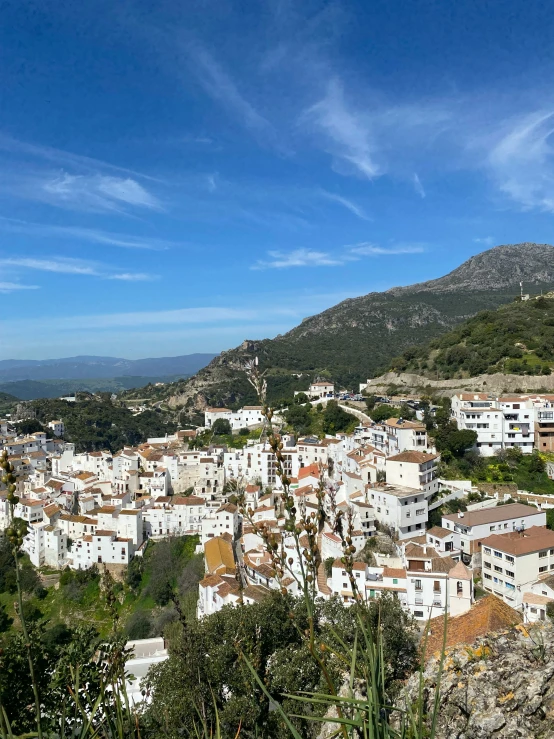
502,687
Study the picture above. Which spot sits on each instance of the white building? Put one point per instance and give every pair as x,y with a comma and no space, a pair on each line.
102,547
500,423
247,417
436,584
474,526
413,469
402,509
514,561
403,435
321,389
224,520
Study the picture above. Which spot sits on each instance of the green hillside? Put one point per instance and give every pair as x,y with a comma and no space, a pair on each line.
98,423
33,389
517,338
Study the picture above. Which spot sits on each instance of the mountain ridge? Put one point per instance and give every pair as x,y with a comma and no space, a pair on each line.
358,337
100,367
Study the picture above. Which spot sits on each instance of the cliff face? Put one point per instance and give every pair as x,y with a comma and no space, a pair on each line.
501,688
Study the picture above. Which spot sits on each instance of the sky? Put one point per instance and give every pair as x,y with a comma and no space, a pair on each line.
176,177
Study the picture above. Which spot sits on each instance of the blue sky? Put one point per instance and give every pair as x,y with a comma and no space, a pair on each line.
177,177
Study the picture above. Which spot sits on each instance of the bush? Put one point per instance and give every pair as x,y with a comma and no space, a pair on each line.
221,427
138,626
244,432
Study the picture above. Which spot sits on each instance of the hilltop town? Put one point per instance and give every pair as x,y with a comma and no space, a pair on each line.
101,508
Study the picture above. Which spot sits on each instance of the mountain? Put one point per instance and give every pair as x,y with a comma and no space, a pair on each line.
358,338
90,367
34,389
517,338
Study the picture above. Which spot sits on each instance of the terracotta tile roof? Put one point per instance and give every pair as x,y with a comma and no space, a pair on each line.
460,572
219,555
255,592
311,470
413,456
439,532
394,572
525,542
536,600
186,500
492,515
490,614
442,564
252,488
405,424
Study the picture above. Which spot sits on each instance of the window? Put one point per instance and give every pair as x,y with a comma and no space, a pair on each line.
543,554
486,550
418,614
492,528
436,586
509,559
487,576
344,585
418,584
497,569
497,554
509,573
487,565
543,569
395,581
459,588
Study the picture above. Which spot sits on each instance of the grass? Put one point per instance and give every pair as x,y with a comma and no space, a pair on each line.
70,604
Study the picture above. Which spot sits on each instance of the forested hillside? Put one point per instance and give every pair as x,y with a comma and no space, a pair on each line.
358,338
517,338
99,423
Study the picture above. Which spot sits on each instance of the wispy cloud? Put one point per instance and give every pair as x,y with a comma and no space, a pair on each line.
296,258
418,186
91,192
486,240
59,264
219,84
521,160
92,235
76,267
346,203
133,277
61,157
8,287
347,132
367,249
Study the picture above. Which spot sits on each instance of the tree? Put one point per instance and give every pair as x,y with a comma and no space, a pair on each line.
336,419
456,441
383,412
5,620
138,626
301,398
299,417
221,427
370,402
550,518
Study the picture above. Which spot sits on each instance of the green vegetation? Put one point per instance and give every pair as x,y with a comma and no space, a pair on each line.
169,570
221,427
100,423
517,338
208,670
305,419
33,389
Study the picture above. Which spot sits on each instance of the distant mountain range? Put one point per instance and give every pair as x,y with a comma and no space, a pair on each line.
359,337
91,367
